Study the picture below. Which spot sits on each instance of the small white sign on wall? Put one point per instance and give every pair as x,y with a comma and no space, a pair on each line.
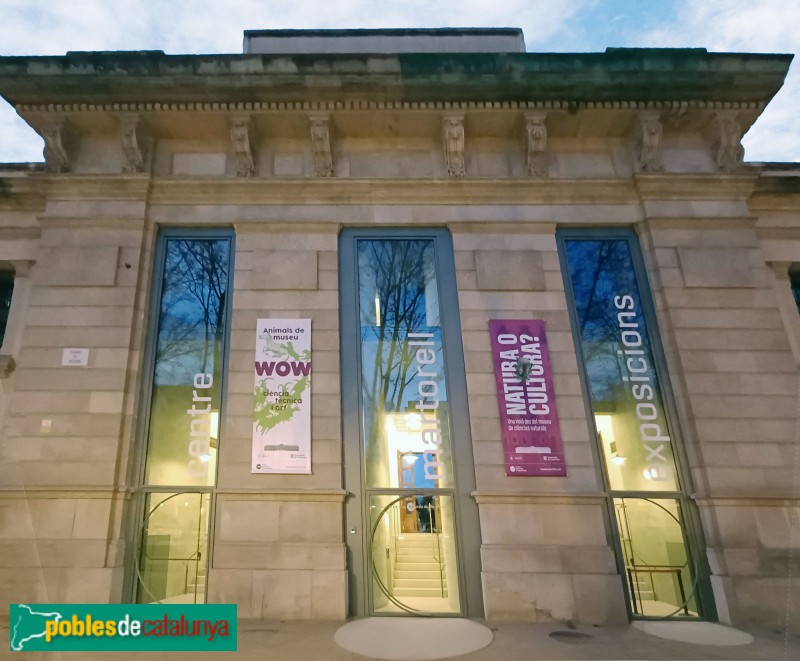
75,357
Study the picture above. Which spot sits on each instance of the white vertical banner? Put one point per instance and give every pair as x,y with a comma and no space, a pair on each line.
282,397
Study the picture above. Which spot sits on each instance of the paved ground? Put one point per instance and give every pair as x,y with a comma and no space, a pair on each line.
313,641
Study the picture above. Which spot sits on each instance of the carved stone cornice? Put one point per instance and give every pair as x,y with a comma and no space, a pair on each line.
243,140
726,141
538,162
60,140
453,140
647,142
366,104
137,144
320,126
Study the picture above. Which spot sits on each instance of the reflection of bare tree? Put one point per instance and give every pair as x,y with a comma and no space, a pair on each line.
596,270
395,277
192,302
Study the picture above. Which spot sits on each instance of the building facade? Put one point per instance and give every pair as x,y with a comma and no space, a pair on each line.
400,189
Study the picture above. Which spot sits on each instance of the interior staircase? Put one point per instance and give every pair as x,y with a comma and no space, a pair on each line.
417,570
643,586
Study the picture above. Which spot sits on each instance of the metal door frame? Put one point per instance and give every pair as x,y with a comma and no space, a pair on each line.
356,520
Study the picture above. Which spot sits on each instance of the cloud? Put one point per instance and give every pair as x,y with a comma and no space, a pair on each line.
766,26
19,143
39,27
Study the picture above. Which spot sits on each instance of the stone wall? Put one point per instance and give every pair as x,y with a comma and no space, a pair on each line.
64,433
736,386
278,550
716,259
544,550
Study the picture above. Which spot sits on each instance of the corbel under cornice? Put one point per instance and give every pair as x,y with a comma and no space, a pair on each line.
243,140
726,140
647,141
453,141
320,127
538,163
60,140
137,143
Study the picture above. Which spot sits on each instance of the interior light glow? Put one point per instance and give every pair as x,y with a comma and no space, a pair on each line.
414,421
377,310
214,433
619,460
205,458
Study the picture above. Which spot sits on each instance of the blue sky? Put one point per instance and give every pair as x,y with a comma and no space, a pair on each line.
52,27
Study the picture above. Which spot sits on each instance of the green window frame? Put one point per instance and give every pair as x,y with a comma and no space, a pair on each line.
613,322
181,417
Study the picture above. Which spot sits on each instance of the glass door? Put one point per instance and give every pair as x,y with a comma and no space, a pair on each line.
404,518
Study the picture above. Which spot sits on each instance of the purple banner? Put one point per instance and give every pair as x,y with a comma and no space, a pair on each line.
528,418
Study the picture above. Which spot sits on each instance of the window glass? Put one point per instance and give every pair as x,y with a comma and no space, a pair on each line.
6,291
172,560
660,573
404,395
794,280
624,387
184,416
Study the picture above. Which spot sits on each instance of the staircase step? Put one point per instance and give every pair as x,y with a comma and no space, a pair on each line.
430,541
417,573
418,592
416,566
410,558
418,583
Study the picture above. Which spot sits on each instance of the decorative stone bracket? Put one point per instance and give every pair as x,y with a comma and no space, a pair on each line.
243,140
453,139
647,142
538,161
137,144
60,141
726,141
321,144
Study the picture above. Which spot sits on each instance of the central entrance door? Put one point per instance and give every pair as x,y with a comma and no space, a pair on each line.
411,526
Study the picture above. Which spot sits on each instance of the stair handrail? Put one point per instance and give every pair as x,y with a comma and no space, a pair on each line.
439,559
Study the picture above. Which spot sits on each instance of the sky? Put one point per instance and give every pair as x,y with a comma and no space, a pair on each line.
53,27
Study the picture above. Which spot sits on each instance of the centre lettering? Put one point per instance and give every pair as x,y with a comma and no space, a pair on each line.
200,426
